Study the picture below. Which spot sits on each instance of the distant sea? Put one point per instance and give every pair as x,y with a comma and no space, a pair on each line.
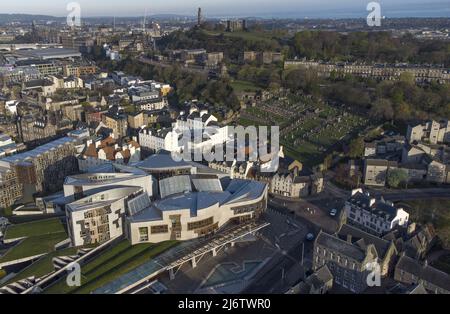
421,10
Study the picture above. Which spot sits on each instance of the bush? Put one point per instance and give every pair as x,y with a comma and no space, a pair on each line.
397,177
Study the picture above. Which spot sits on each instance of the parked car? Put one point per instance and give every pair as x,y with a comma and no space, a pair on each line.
333,212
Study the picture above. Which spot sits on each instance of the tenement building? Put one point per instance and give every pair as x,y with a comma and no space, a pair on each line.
411,272
349,263
372,215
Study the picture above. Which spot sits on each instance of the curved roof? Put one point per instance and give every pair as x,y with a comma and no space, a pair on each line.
100,178
102,198
237,191
162,162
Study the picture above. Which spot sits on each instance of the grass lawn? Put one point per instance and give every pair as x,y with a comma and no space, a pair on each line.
34,246
6,212
247,122
244,86
306,153
35,228
43,266
251,36
110,265
435,211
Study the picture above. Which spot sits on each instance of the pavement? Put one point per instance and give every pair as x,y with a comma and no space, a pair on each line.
279,247
313,214
291,258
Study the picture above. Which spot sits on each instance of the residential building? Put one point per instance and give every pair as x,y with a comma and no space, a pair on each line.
421,73
35,130
410,271
348,263
386,250
118,122
163,139
138,120
320,282
8,146
376,171
437,172
10,187
433,132
45,168
372,215
109,150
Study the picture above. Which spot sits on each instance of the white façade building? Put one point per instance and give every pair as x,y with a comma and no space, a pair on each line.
196,212
194,119
163,139
200,126
99,217
79,186
372,215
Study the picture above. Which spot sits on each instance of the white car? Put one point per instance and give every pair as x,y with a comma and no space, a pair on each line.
333,212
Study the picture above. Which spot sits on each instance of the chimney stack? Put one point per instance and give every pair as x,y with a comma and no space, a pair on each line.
349,238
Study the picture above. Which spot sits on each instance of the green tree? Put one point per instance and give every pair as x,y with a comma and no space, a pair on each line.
356,148
327,162
397,177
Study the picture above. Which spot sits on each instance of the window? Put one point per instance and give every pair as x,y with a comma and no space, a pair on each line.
143,234
160,229
200,224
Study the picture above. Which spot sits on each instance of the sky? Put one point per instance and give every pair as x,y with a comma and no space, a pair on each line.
238,8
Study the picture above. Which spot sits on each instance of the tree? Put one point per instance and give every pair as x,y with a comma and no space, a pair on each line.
356,148
397,177
327,162
382,109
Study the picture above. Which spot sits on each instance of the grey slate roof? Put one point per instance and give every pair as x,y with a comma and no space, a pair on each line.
381,245
343,247
424,272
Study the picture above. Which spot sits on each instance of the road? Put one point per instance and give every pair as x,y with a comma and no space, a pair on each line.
280,273
285,267
389,194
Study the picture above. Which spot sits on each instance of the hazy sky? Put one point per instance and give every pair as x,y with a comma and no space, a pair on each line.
214,8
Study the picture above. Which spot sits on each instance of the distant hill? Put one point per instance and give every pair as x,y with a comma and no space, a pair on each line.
27,18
